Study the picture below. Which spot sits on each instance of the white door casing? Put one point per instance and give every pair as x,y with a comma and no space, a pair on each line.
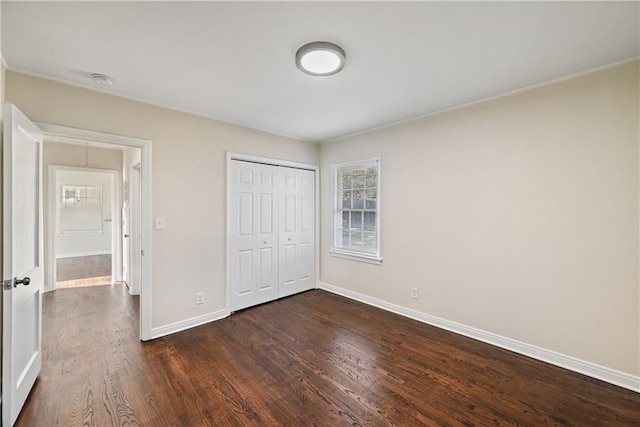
254,231
272,231
135,237
22,258
145,145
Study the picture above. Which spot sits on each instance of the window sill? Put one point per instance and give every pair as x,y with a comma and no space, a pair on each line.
353,256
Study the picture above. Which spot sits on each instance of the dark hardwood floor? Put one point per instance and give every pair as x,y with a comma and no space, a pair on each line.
311,359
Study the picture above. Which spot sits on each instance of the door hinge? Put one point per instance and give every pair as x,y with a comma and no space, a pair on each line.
142,252
6,285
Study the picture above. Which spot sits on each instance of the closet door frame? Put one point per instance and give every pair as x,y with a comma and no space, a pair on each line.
231,156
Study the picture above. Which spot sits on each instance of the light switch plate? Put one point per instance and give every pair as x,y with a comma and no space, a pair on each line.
159,223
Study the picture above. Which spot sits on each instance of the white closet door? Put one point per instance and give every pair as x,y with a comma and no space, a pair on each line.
253,234
297,231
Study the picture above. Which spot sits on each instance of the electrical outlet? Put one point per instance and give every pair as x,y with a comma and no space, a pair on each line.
414,293
199,297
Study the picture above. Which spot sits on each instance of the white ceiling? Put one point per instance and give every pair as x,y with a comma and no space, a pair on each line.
234,61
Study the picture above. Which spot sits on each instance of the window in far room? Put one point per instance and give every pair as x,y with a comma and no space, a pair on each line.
356,224
80,209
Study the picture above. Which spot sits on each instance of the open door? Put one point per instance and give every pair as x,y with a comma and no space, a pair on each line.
22,261
125,244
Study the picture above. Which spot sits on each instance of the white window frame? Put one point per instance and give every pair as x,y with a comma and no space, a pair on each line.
351,254
79,232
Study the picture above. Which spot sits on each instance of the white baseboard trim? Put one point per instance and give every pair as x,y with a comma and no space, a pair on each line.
79,254
609,375
189,323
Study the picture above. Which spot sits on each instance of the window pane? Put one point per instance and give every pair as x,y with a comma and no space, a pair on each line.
346,242
358,178
345,220
346,199
356,221
346,179
369,242
370,221
70,195
372,177
356,239
358,199
372,199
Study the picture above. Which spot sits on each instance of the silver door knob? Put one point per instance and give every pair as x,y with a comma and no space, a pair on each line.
24,281
126,235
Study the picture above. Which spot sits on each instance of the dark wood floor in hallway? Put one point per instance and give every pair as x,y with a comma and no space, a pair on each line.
311,359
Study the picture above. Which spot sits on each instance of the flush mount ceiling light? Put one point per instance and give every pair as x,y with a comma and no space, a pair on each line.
320,58
102,80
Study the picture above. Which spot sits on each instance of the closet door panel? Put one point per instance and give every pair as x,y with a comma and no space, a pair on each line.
245,271
253,241
288,271
267,270
305,262
288,244
306,230
297,234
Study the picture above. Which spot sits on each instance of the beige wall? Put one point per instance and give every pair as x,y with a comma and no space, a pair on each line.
518,216
189,181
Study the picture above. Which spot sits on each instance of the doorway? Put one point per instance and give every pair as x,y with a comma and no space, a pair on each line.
131,151
84,203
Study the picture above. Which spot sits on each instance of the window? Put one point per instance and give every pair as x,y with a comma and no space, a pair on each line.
80,209
356,223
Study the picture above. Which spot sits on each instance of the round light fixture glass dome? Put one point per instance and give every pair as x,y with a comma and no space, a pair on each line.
320,58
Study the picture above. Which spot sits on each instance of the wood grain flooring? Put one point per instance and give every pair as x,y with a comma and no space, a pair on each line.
311,359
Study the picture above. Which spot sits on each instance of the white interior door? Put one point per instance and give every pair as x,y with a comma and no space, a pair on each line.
297,231
125,242
253,234
22,261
